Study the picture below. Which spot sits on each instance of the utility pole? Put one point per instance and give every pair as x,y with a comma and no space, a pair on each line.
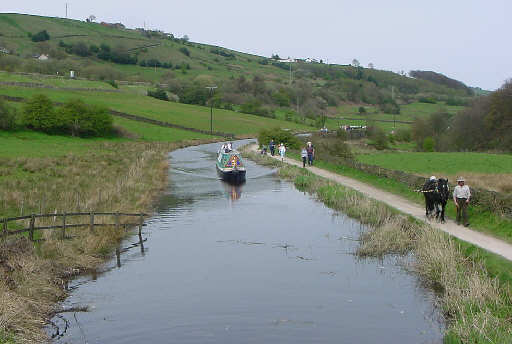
211,88
290,72
66,10
394,114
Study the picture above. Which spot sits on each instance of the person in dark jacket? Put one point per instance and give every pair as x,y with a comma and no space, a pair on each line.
311,153
272,147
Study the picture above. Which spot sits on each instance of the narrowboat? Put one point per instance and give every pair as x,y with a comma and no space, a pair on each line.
230,166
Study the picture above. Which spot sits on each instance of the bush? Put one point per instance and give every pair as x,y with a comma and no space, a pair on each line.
341,134
428,144
378,137
279,136
185,51
80,49
428,100
403,135
74,117
362,110
7,116
39,114
158,94
40,36
456,102
254,107
85,120
113,83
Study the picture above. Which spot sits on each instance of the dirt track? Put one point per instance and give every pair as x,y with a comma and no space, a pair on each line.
479,239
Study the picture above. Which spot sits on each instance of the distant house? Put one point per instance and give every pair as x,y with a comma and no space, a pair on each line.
287,60
43,57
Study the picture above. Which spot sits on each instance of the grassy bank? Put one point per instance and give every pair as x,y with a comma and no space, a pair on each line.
108,176
474,294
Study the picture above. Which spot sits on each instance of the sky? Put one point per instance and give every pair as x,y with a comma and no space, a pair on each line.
467,40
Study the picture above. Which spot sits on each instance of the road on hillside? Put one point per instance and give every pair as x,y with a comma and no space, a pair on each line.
486,242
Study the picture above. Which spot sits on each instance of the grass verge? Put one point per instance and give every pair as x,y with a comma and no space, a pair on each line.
473,285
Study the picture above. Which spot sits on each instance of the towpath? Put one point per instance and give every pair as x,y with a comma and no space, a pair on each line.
484,241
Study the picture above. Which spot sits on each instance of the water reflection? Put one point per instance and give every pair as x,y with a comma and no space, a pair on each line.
233,192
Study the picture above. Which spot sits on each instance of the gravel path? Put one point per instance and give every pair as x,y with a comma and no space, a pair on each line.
476,238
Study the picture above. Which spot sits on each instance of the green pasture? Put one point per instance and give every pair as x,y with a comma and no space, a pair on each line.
417,109
450,163
191,116
36,144
61,82
407,113
150,132
333,123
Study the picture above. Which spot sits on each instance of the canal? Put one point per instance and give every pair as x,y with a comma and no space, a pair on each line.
258,263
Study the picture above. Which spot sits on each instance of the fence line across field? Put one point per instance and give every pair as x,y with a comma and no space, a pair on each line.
91,223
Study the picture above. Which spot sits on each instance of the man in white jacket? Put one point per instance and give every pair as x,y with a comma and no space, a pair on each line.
461,196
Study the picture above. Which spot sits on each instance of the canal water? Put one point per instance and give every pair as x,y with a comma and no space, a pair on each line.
258,263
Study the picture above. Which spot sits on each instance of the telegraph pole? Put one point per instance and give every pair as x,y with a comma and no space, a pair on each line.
66,10
290,72
394,114
211,88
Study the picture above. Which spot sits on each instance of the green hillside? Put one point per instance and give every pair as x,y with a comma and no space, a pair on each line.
246,83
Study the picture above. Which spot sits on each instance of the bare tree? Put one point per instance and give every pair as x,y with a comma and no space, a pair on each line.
355,63
91,18
370,65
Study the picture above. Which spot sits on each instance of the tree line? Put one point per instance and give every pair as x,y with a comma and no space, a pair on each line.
484,125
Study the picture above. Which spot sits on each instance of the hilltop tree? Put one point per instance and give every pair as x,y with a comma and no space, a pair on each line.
355,63
371,65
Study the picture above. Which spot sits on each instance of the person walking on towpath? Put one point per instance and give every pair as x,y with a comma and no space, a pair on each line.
272,147
461,196
311,153
304,156
282,151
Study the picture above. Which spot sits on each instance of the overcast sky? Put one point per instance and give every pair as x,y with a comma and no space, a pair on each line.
464,39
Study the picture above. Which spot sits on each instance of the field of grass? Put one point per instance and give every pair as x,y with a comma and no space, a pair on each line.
61,82
408,113
191,116
449,163
34,144
150,132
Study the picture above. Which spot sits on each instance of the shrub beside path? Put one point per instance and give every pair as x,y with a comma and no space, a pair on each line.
484,241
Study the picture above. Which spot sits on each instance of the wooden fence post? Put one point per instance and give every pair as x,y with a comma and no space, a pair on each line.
4,234
141,223
117,221
91,225
63,232
31,229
